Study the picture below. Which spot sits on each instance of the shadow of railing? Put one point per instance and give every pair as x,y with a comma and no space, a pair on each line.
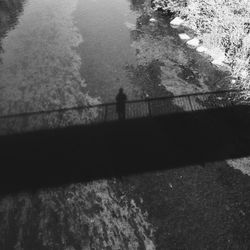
100,113
156,141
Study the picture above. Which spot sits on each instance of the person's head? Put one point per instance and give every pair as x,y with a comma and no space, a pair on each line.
121,90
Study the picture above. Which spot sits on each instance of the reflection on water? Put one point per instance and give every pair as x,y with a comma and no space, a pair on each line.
68,53
40,68
105,27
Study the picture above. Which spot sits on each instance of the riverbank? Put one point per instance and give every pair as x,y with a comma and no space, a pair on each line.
201,207
223,30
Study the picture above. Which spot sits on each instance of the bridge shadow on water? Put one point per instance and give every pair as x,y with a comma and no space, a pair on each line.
82,153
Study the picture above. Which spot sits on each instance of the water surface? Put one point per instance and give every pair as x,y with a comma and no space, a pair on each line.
105,51
63,53
60,53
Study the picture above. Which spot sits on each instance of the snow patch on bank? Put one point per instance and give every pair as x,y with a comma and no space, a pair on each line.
193,42
177,21
201,49
184,36
218,57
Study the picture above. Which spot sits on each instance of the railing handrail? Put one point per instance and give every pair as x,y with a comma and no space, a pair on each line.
114,103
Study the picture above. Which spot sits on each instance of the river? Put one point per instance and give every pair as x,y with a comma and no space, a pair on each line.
59,54
63,53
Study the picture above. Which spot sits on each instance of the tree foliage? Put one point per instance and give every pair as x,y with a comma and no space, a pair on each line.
223,24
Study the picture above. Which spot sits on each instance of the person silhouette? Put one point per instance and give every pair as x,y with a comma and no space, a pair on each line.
121,99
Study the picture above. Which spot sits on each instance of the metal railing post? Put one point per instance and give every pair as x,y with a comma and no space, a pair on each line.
126,108
105,112
106,106
149,108
190,103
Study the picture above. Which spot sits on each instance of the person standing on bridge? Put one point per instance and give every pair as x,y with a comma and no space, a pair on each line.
121,99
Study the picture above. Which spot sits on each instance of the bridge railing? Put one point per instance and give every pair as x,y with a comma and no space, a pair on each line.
63,117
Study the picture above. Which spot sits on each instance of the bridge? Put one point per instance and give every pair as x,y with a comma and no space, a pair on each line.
106,112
